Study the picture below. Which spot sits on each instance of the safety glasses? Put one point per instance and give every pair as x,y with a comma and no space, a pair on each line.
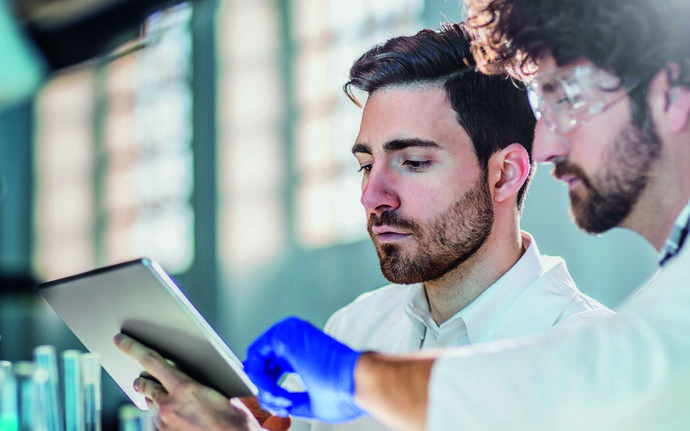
565,99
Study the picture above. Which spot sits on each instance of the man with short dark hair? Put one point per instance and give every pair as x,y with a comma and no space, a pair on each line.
444,154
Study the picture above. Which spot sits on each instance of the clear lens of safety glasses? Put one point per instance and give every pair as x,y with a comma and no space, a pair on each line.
564,100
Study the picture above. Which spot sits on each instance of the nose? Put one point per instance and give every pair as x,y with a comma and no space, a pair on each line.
378,192
549,145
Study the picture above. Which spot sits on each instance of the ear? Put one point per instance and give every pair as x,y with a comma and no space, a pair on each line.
508,171
679,108
671,103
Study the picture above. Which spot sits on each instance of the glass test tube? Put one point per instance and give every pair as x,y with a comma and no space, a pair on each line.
24,372
91,388
47,393
8,398
74,400
41,401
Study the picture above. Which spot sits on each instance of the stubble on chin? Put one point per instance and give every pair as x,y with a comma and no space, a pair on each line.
439,246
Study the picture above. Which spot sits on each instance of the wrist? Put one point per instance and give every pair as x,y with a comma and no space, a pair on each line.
393,389
364,375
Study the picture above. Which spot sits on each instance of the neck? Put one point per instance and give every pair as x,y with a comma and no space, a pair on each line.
657,228
667,193
458,288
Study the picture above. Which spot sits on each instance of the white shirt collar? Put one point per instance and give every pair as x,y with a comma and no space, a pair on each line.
478,317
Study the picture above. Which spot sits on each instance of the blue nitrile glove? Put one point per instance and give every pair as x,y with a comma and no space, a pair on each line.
325,366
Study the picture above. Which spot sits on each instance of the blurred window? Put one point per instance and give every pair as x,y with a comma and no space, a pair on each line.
114,158
251,106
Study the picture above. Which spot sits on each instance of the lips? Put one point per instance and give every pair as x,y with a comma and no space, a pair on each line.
382,230
389,233
391,237
571,174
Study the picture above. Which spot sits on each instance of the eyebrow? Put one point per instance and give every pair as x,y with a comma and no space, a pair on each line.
395,145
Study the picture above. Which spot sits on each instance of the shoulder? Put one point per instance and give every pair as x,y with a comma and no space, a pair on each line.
574,303
554,297
669,281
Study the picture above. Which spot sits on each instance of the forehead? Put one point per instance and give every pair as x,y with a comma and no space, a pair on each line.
422,112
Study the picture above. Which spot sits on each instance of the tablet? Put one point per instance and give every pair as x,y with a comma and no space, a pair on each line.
141,300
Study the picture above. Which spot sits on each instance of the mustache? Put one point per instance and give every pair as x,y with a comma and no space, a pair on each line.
564,168
390,218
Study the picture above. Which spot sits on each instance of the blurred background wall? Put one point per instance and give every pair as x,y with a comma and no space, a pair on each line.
221,148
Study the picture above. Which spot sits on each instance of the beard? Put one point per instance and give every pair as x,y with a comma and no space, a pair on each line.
608,198
442,243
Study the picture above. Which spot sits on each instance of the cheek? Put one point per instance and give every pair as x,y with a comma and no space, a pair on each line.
587,149
593,143
425,201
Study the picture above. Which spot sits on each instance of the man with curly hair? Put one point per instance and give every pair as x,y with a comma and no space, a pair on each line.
609,83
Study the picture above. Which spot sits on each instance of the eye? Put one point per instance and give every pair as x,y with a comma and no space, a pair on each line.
365,168
416,165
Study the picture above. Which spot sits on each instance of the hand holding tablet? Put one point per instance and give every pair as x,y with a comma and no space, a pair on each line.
184,404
